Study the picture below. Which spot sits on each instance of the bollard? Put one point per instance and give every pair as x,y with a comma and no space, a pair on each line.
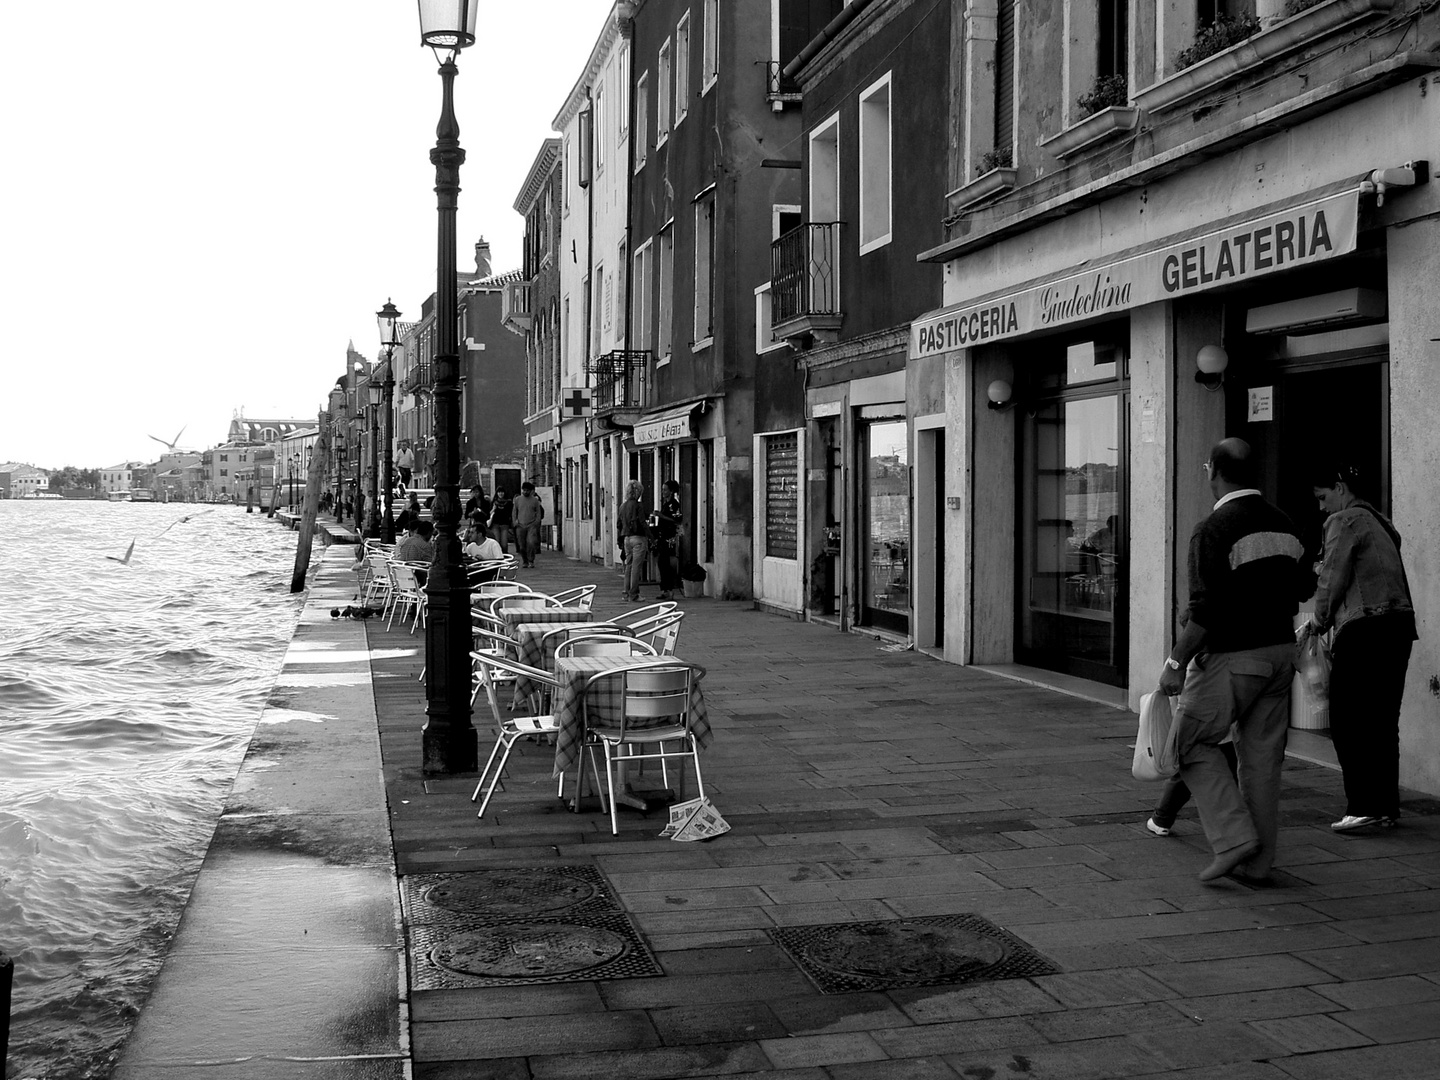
7,976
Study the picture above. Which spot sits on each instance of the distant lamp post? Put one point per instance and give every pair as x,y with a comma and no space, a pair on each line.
388,319
448,743
376,393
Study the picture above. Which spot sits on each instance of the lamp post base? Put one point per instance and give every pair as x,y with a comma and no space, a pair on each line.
449,750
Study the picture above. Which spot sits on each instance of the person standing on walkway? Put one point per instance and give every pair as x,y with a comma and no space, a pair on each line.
667,524
1364,594
634,537
477,508
502,520
529,512
1234,662
404,462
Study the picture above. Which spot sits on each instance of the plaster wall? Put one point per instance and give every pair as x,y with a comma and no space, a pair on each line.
1414,265
959,497
992,448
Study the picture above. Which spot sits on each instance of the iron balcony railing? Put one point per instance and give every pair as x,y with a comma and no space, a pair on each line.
515,313
778,86
416,379
619,379
805,272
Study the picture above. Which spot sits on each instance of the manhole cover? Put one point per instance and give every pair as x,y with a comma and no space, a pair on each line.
527,950
479,951
508,893
846,957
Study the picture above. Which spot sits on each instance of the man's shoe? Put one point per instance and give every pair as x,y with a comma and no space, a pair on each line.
1257,880
1351,822
1158,830
1229,860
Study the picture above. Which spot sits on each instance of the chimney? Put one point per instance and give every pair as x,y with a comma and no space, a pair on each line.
482,258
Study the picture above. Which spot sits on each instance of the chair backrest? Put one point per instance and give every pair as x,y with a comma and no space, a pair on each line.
662,633
652,691
645,614
498,588
579,597
402,576
604,645
551,639
488,665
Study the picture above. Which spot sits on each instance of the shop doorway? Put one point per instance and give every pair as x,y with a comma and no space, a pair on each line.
885,525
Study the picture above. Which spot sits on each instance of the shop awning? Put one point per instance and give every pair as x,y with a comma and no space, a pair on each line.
668,425
1323,226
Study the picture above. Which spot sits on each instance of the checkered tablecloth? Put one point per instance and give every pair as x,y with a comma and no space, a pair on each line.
572,673
516,612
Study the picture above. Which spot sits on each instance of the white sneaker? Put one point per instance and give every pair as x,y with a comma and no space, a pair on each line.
1158,830
1351,822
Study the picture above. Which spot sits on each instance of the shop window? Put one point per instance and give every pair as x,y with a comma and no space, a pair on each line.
682,68
875,165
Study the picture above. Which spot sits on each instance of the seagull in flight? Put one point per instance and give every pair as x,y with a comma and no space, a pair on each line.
181,521
173,443
126,560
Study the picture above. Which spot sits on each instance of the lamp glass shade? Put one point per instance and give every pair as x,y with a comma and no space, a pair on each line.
448,24
376,393
999,392
387,318
1212,360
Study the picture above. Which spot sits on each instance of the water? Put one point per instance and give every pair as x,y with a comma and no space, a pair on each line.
127,696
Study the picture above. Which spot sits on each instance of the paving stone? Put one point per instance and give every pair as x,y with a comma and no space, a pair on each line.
490,1069
1074,1024
1089,989
1394,1061
927,1040
1395,1023
905,1069
586,1033
734,958
1092,1059
803,1050
554,999
1378,961
1256,1004
1235,1070
828,1014
694,899
709,1022
1238,974
664,1063
1005,997
1379,993
1309,1034
740,986
1193,1045
1279,939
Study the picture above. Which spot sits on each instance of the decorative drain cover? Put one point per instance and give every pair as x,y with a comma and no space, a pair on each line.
473,951
497,895
846,957
527,950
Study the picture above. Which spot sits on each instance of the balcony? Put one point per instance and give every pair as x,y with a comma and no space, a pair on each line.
417,380
779,89
515,313
805,284
619,380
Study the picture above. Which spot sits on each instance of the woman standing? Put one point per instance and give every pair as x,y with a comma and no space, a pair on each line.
668,552
633,535
1364,595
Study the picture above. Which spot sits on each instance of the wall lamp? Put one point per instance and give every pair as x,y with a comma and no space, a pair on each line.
1210,364
1001,395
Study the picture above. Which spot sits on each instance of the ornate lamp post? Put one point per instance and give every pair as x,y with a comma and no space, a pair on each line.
448,741
372,520
388,319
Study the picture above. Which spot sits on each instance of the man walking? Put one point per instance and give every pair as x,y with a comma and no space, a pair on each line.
529,512
1234,663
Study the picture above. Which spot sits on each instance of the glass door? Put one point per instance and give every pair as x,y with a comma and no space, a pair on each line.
1073,534
885,526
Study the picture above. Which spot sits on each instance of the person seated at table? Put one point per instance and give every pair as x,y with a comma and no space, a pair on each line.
410,515
480,546
416,547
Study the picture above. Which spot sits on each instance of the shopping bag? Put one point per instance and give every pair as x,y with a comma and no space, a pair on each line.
1310,691
1155,755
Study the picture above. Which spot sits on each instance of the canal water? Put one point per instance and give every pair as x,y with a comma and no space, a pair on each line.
128,693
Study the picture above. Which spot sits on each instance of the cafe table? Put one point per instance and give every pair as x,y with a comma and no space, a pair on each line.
603,698
515,612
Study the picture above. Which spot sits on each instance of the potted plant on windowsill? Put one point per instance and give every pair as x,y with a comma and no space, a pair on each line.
994,175
692,577
1104,110
1216,37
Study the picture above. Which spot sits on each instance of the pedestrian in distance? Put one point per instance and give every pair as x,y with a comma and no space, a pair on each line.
633,535
667,540
477,508
502,522
1234,662
528,513
1363,593
404,462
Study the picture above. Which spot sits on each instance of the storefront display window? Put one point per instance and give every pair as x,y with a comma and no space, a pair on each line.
886,571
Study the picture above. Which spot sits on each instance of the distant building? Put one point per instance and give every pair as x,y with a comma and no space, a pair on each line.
17,480
121,477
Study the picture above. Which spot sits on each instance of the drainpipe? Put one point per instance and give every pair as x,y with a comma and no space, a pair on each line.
827,35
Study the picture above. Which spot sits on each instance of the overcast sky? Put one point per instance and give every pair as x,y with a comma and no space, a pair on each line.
203,203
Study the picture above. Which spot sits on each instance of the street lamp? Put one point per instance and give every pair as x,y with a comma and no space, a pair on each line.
372,520
357,428
389,320
448,743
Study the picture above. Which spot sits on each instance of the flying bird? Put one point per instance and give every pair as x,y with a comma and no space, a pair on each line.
126,560
181,521
172,443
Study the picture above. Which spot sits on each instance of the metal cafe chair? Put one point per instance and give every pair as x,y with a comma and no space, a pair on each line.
508,729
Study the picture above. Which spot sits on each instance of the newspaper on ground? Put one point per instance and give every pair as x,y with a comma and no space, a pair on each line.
695,820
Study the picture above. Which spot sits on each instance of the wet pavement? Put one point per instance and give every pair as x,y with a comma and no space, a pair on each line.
895,821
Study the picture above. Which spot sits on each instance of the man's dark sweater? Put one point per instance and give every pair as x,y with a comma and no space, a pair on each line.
1247,576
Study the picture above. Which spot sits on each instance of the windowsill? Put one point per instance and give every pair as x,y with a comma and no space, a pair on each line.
876,244
662,361
640,164
703,344
661,140
988,185
771,348
1091,130
679,120
705,89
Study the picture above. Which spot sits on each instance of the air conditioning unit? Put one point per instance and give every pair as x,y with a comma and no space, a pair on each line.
1311,314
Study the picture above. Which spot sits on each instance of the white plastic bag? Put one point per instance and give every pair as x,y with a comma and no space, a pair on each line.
1310,692
1155,755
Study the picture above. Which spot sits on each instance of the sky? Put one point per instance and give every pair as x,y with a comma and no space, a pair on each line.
204,203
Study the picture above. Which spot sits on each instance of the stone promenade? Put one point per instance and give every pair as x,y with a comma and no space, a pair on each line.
864,783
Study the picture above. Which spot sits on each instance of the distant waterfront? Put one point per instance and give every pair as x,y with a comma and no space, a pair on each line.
127,696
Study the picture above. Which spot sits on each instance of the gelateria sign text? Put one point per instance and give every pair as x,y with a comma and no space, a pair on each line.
1318,230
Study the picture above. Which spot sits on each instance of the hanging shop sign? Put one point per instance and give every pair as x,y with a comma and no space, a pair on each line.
670,426
1318,230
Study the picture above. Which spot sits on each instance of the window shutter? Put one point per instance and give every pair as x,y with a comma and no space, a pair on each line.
1005,76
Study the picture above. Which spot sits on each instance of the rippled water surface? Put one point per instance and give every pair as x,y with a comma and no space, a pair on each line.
127,696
